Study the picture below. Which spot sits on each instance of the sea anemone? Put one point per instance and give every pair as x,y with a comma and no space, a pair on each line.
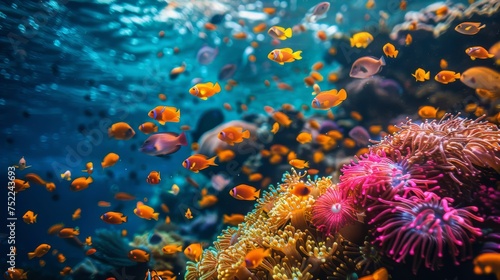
375,175
333,210
423,226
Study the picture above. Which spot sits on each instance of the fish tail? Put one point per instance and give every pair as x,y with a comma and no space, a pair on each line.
396,54
257,194
155,216
110,132
62,176
225,219
89,180
306,164
124,219
246,134
296,55
31,255
342,95
352,42
217,87
490,55
34,218
382,61
182,139
211,161
427,75
288,32
457,76
482,26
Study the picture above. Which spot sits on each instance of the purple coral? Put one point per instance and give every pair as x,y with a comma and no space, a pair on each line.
333,210
424,226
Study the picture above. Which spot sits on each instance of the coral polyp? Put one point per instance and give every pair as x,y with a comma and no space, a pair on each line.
333,210
425,226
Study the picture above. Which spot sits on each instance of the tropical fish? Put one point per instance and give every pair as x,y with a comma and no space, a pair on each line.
361,39
298,163
280,33
244,192
80,183
89,168
328,99
206,90
41,250
420,75
198,162
469,28
66,175
77,214
317,12
481,78
390,50
366,67
478,52
138,255
114,218
110,160
206,55
145,212
162,144
446,76
427,112
153,178
233,219
284,55
121,131
233,134
68,232
171,249
29,217
148,128
22,164
165,114
255,257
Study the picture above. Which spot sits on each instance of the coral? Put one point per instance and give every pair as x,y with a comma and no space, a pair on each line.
111,248
153,243
333,210
424,226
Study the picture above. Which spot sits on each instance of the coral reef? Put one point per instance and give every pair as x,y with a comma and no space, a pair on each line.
408,187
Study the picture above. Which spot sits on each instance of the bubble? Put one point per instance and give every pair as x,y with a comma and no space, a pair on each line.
54,86
57,43
43,138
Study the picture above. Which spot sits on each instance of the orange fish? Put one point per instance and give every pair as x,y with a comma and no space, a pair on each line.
233,134
233,219
88,241
138,255
427,112
446,76
61,258
276,128
304,137
89,168
284,55
124,196
206,90
408,39
198,162
55,228
301,189
165,114
15,274
66,271
469,28
153,178
207,201
68,232
188,214
194,251
29,217
148,128
171,249
254,177
114,218
225,155
282,118
390,50
76,214
420,75
240,35
121,131
210,26
478,52
443,64
328,99
255,257
145,212
102,203
298,163
244,192
41,250
81,183
259,28
379,274
20,185
90,251
110,160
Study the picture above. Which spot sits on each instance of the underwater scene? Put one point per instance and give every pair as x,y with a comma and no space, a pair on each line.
245,139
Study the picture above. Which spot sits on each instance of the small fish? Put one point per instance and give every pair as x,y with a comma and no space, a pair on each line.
66,175
176,71
194,251
280,33
207,201
421,76
427,112
124,196
298,163
482,78
162,144
90,251
148,128
281,56
138,255
225,155
206,55
487,263
366,67
29,217
41,250
469,28
77,214
198,162
153,178
244,192
282,118
22,164
276,128
379,274
408,39
114,218
88,241
121,131
164,114
145,212
206,90
110,160
89,168
171,249
66,271
361,39
443,64
478,52
80,183
328,99
233,219
61,258
370,4
174,190
188,214
446,76
15,274
390,50
233,134
255,257
317,12
301,189
68,232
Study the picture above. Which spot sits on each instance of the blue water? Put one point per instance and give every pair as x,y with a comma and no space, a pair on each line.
71,68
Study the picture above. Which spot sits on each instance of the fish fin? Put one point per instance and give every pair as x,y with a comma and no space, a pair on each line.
211,161
155,216
204,98
257,194
216,87
162,122
245,134
281,63
182,139
342,95
34,218
89,180
31,255
482,26
296,55
306,164
468,28
288,50
472,58
396,54
457,76
124,219
288,32
110,132
382,61
490,55
427,75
